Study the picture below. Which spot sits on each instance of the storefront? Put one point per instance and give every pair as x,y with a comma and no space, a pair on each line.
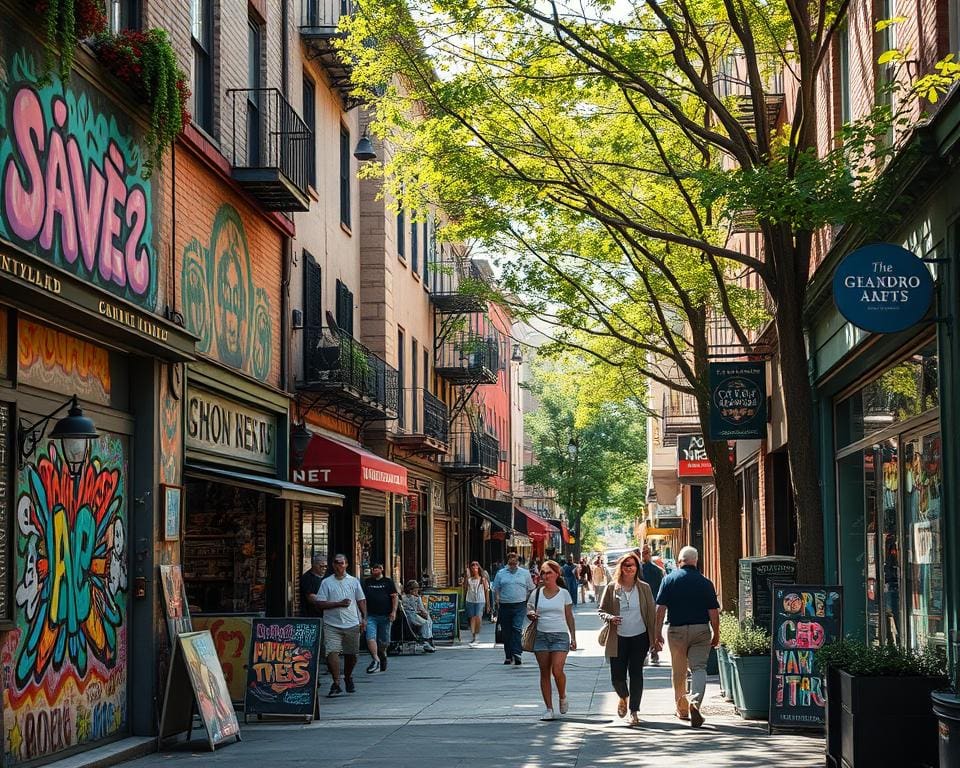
538,530
491,525
369,485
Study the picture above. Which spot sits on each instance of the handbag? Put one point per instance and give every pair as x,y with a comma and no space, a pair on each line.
530,631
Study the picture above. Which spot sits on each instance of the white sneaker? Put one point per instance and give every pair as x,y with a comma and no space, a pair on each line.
548,715
474,644
564,706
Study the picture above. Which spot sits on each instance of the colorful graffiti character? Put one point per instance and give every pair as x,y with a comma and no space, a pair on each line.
221,303
72,590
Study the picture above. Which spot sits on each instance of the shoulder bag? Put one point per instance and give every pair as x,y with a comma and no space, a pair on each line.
530,631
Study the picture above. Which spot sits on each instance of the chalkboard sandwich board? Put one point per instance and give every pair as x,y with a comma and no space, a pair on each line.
443,607
195,684
804,619
282,669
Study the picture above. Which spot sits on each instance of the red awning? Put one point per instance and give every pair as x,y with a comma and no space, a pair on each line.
331,464
531,523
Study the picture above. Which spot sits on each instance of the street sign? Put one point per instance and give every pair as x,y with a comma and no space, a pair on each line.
738,401
882,288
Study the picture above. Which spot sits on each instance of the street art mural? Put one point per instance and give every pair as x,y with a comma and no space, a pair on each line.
71,185
65,665
171,423
60,362
221,303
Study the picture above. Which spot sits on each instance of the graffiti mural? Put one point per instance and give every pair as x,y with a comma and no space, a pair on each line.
71,186
171,419
64,665
221,303
60,362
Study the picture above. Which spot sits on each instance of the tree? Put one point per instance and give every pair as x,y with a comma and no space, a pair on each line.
612,145
593,455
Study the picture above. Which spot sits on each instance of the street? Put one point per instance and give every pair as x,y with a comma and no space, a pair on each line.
463,707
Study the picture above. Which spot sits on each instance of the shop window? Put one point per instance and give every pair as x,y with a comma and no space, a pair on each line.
315,537
750,493
908,389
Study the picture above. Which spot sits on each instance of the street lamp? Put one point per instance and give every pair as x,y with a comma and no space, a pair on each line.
75,433
365,150
573,449
300,438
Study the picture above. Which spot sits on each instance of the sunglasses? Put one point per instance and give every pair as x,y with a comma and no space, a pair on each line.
629,565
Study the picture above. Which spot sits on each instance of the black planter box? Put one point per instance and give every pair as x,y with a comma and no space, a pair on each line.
881,721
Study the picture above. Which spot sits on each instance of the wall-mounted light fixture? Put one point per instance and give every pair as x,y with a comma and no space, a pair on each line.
300,438
296,320
75,433
365,150
516,355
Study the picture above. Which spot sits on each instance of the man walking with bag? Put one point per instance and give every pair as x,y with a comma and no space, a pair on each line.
511,587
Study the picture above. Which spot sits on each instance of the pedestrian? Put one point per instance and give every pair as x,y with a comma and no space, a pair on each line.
600,576
570,577
417,614
476,597
511,587
630,615
344,609
552,608
382,597
689,601
535,571
583,577
310,586
650,572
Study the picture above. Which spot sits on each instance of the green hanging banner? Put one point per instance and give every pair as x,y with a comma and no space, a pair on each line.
738,401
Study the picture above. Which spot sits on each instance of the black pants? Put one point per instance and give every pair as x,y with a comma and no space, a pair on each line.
632,652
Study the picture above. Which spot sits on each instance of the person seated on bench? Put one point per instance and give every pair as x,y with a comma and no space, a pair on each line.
417,615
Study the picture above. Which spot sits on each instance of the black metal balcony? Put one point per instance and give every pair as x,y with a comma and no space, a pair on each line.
426,427
469,358
355,378
455,284
680,414
272,149
470,453
319,30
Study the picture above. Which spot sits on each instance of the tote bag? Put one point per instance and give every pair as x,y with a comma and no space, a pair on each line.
530,631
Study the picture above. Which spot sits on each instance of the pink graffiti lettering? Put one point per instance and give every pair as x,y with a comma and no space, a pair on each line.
92,212
801,634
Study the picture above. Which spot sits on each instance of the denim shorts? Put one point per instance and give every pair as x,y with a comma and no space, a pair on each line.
475,609
378,628
551,641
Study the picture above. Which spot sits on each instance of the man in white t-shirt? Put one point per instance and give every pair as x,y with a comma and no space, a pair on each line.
344,617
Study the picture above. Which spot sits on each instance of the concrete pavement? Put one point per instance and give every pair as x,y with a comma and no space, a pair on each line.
463,707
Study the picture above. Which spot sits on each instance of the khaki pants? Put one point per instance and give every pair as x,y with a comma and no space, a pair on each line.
689,648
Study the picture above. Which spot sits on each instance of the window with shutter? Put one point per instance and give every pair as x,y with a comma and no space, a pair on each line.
414,245
344,308
312,293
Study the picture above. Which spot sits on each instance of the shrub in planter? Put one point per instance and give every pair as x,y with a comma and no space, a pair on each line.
729,625
750,652
878,703
146,63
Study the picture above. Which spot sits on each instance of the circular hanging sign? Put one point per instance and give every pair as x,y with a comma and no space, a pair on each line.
882,288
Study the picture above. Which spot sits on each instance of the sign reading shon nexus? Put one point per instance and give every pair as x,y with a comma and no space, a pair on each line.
882,288
738,401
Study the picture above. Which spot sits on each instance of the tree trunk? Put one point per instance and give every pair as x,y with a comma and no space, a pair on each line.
801,446
729,536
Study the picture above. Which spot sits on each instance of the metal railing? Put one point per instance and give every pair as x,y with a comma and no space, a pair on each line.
470,353
680,412
473,451
426,415
339,361
322,17
269,134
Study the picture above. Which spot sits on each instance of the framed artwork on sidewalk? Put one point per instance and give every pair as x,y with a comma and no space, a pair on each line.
171,512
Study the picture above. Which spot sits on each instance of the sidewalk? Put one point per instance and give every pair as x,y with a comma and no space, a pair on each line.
462,707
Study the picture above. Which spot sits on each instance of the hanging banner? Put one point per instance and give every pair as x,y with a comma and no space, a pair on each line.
804,619
738,401
882,288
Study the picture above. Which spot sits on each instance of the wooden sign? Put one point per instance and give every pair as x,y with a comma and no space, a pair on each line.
282,669
442,606
175,606
804,619
195,684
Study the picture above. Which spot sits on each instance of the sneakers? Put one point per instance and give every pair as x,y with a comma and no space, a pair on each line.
508,661
348,682
516,661
634,718
696,719
428,648
564,706
548,715
383,663
335,690
373,667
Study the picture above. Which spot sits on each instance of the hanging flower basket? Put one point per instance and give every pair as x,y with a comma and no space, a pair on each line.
146,63
65,24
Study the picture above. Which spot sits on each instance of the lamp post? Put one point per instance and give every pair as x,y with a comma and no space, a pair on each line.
74,431
573,451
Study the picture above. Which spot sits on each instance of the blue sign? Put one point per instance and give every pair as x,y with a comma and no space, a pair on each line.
882,288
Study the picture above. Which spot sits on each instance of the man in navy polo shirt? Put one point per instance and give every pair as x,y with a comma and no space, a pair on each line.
689,601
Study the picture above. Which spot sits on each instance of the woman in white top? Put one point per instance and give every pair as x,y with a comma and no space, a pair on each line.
476,597
628,609
551,607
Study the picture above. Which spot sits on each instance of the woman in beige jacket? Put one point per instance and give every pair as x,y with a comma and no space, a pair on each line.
630,615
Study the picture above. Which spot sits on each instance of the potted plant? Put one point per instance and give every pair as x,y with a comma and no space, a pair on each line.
749,651
65,23
878,703
728,628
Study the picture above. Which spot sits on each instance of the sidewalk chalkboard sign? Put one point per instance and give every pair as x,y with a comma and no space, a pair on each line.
442,607
804,619
195,684
282,670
